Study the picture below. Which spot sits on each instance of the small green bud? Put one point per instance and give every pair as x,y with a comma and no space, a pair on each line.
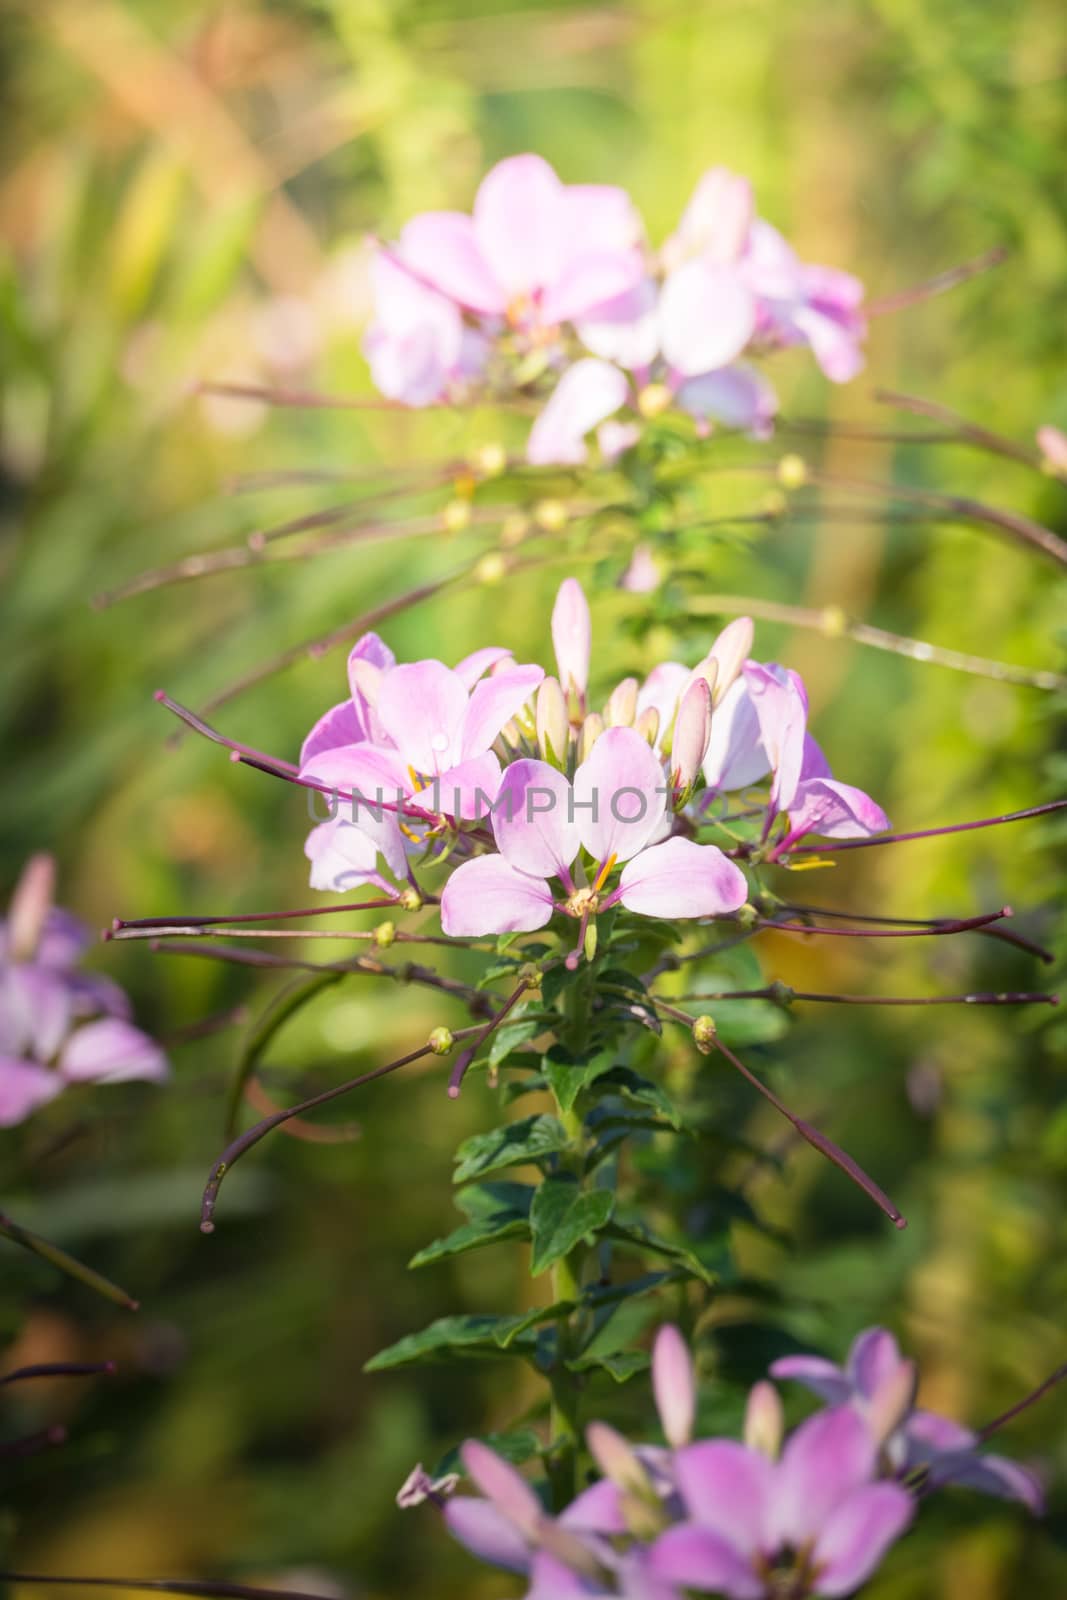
704,1034
456,516
441,1041
411,900
792,472
385,934
550,515
490,460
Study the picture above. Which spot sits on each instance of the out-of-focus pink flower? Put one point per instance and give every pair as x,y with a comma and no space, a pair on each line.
536,252
821,804
572,637
1052,442
418,346
59,1026
880,1384
804,304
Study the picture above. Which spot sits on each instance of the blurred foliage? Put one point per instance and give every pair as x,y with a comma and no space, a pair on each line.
186,191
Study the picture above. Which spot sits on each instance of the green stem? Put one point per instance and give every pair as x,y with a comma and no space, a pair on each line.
564,1419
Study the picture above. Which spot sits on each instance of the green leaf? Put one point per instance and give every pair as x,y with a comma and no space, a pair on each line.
620,1364
474,1338
641,1238
567,1076
506,1222
561,1215
644,1092
510,1034
516,1446
532,1139
483,1199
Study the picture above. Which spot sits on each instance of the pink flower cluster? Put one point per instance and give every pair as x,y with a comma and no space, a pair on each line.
59,1025
553,287
540,805
811,1514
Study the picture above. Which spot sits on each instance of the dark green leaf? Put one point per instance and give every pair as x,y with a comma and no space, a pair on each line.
568,1076
474,1338
532,1139
561,1215
643,1239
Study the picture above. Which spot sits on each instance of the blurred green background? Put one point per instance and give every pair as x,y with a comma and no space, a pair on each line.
185,196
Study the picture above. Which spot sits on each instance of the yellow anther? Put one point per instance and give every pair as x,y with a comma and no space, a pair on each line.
490,460
603,874
654,399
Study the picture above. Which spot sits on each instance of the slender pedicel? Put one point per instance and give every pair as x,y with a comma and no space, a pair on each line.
938,930
459,1070
1006,935
707,1039
964,431
121,924
1022,1405
61,1369
245,1141
68,1264
785,994
939,283
206,731
206,1590
832,846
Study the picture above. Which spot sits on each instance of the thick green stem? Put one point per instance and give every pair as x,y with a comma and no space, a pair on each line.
564,1423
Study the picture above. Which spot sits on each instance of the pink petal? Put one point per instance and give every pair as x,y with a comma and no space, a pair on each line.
341,725
111,1051
836,348
823,1378
500,1483
781,710
814,764
729,653
857,1535
824,1461
738,396
572,636
835,811
531,820
692,731
596,1510
29,909
625,330
598,217
728,1489
736,756
716,222
494,701
488,895
482,1530
24,1087
875,1357
475,666
993,1475
697,1558
342,857
587,284
519,224
682,879
588,392
422,706
443,250
620,796
64,940
551,1579
662,690
707,316
673,1384
35,1011
466,791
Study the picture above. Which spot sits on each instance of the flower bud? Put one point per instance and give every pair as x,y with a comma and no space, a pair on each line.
654,400
513,530
764,1420
385,934
456,516
572,636
441,1041
674,1386
792,472
704,1034
511,734
591,729
692,732
833,622
550,515
366,677
730,652
30,905
622,705
647,725
1052,442
491,568
490,460
553,728
616,1458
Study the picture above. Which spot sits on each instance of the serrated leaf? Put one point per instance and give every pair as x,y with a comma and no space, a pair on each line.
621,1364
511,1034
561,1215
641,1238
517,1143
473,1235
644,1092
482,1199
474,1338
567,1077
